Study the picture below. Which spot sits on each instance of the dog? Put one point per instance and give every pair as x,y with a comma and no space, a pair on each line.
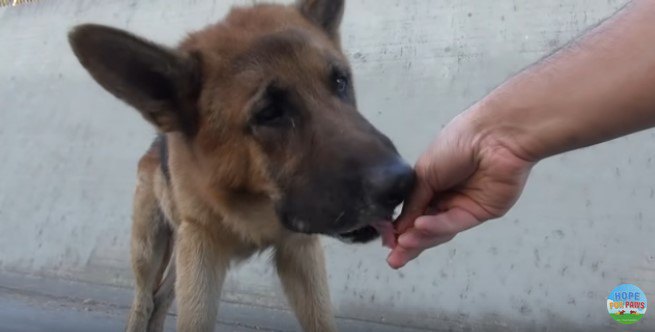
259,145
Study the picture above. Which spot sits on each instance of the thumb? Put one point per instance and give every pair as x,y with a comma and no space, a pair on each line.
415,206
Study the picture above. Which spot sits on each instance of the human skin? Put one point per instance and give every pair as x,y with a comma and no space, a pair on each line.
599,87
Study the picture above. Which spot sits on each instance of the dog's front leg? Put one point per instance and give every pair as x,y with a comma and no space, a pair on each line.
301,267
201,269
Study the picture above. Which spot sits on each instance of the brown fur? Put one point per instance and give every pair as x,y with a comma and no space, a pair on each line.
214,228
218,201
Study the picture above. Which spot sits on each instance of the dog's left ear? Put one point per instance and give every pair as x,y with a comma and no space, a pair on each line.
325,13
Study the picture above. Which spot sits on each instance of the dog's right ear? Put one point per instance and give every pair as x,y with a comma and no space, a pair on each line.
161,83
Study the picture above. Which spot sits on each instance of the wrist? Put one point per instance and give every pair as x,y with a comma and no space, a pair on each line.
500,123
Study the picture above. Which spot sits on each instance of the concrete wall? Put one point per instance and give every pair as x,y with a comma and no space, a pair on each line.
583,226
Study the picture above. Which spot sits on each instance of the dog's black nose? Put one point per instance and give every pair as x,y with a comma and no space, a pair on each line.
391,183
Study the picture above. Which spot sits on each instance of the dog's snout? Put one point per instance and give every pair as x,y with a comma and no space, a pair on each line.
392,183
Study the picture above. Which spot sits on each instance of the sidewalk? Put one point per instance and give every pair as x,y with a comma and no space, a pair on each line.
34,305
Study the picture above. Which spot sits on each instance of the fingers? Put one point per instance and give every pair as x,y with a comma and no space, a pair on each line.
450,222
428,232
417,242
400,256
415,206
419,239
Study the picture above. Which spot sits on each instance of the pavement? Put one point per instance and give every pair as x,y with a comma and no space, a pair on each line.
32,304
32,313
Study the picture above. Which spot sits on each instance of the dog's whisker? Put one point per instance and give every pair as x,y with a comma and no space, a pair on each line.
336,221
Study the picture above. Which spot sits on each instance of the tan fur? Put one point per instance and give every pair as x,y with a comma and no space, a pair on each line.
206,242
222,181
212,228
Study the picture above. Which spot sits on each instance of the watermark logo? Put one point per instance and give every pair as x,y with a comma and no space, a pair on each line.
627,304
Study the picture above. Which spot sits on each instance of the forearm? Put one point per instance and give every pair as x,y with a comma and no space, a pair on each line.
600,87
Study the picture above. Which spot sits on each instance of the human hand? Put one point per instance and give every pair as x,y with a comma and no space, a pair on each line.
477,167
466,176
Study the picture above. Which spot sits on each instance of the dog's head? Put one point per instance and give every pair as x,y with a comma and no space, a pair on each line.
265,106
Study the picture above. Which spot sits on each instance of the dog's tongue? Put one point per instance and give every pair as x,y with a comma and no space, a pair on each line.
387,232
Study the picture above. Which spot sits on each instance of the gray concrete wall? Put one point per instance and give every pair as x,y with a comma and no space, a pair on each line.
584,225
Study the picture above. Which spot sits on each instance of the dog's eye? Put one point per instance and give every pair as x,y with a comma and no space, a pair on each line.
341,85
269,115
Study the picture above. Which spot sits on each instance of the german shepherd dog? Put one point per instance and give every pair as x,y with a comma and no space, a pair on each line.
260,146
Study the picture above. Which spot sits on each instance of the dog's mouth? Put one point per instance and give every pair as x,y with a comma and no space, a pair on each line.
387,232
384,229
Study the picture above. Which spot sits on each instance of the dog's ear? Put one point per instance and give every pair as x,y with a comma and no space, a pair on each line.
325,13
161,83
